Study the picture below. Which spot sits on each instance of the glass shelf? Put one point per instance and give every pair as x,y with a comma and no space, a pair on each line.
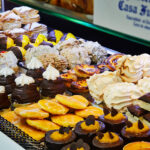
79,18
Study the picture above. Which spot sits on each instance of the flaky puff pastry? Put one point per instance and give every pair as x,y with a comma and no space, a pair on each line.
28,15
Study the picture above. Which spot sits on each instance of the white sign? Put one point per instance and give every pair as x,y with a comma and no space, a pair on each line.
127,16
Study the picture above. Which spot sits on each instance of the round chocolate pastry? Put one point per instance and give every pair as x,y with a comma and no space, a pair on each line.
4,102
35,70
88,128
79,145
38,38
18,51
52,84
47,43
5,43
107,141
113,120
136,131
25,90
7,77
56,139
55,36
140,145
22,40
67,36
30,45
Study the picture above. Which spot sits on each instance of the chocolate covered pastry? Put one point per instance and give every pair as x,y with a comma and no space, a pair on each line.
6,42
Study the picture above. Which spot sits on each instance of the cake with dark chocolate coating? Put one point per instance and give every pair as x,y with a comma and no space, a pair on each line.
25,90
52,84
7,77
4,101
35,70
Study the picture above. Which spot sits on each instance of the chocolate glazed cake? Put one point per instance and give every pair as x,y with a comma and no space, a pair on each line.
25,90
4,102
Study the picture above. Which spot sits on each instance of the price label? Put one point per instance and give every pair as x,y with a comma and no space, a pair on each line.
131,17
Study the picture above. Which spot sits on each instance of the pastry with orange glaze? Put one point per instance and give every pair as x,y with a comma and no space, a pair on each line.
111,61
85,71
90,110
107,141
87,129
68,78
68,120
79,86
75,101
79,145
53,107
56,139
43,125
31,112
21,124
140,145
136,131
104,67
113,120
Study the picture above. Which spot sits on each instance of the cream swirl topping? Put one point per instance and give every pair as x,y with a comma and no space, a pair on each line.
34,64
24,80
2,89
51,73
120,95
6,71
98,82
130,68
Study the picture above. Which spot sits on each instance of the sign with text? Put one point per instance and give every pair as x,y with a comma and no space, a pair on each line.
127,16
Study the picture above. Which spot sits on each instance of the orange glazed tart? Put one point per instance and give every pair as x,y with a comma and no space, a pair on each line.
136,131
43,125
141,145
88,128
113,120
75,101
79,86
90,110
107,141
53,107
68,120
56,139
85,71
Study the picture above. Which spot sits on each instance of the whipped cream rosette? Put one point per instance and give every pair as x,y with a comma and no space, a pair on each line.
98,82
130,68
120,95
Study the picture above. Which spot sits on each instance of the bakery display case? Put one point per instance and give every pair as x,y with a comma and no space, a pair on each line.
67,84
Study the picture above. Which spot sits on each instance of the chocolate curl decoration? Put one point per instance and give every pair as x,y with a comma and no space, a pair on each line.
90,120
140,125
73,146
106,111
129,124
100,135
62,130
110,135
114,112
78,144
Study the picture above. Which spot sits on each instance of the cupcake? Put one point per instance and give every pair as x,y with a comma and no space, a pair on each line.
7,77
52,84
56,139
79,145
25,90
136,131
113,120
87,129
107,141
35,70
4,102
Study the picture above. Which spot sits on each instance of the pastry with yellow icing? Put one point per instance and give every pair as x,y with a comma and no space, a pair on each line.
75,101
108,141
68,120
56,139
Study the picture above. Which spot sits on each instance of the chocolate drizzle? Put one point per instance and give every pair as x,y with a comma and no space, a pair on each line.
106,111
114,112
62,130
90,120
129,124
110,135
140,125
100,135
